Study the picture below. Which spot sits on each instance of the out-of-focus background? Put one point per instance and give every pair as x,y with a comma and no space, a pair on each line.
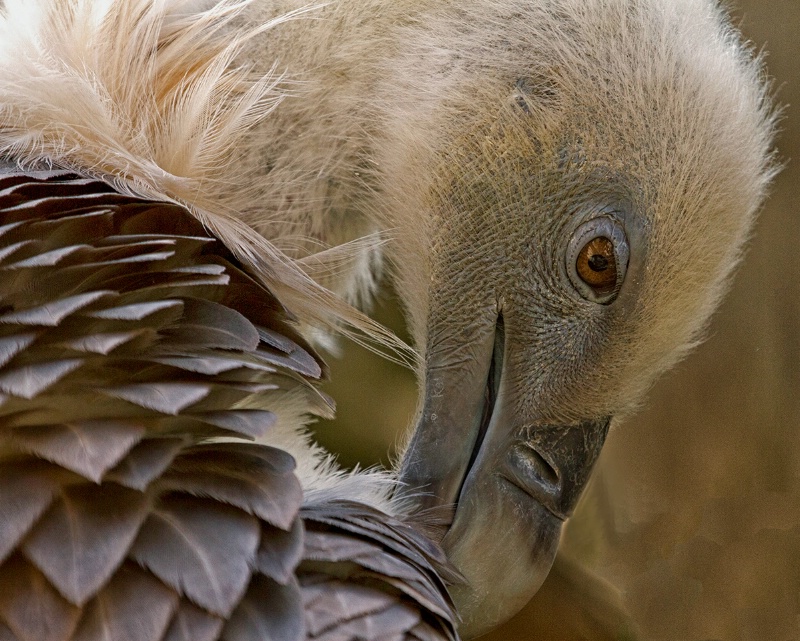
692,521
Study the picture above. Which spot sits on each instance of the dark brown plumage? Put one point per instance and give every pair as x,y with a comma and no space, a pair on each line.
133,345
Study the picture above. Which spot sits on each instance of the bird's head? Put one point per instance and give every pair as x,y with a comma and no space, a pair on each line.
571,190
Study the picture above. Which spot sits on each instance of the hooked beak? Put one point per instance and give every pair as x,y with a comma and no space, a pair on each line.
505,482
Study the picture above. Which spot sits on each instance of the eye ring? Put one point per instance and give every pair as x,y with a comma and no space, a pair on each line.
597,259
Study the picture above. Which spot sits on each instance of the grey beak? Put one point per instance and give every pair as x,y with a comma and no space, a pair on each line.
510,480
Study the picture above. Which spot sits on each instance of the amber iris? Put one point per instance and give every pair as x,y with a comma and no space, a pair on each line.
597,266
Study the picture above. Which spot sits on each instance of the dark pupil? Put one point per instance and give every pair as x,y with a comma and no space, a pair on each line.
598,263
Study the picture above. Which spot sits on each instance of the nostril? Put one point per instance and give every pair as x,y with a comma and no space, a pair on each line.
542,467
536,472
531,472
552,463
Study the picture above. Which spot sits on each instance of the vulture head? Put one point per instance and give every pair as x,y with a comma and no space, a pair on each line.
570,191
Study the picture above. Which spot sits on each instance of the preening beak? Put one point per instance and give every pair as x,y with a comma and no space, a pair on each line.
508,480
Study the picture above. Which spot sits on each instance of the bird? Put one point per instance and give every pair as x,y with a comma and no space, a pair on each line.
196,195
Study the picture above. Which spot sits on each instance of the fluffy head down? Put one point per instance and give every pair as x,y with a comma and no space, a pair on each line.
510,122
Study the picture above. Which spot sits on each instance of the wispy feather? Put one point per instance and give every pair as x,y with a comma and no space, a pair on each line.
150,96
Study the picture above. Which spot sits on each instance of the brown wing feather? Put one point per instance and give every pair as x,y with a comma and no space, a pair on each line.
129,337
368,576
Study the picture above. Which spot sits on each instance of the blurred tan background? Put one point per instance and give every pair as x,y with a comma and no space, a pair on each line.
692,521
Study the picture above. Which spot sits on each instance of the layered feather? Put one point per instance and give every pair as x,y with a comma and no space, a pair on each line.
139,363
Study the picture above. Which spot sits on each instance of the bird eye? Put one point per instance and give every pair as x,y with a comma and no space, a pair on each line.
597,259
597,266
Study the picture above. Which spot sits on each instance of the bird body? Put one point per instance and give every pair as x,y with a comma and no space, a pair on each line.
559,189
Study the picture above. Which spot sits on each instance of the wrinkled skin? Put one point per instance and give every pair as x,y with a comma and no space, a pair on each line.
515,414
